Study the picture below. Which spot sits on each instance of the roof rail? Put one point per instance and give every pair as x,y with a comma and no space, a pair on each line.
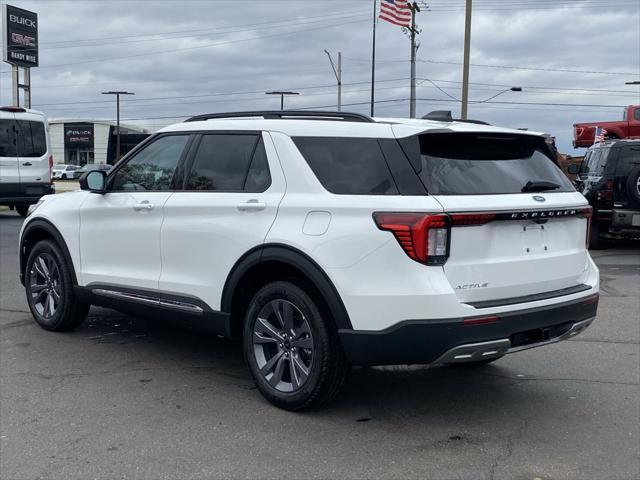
445,116
287,114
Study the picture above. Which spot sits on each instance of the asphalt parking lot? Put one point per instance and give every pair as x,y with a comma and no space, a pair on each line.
123,397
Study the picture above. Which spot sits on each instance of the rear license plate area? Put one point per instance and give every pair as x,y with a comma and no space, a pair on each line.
533,238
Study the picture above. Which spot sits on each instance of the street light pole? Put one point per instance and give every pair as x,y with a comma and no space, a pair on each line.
338,74
282,94
465,68
117,94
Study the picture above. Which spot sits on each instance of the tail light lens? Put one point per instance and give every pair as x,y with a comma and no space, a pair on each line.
587,212
50,166
423,236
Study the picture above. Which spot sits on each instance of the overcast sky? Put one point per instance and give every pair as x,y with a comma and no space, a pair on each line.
184,57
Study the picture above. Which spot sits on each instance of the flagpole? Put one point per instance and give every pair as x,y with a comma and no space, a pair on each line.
412,96
373,59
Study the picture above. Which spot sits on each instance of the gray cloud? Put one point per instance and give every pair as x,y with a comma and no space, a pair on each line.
224,56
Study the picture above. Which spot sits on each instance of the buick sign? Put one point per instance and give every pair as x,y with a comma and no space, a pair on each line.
20,42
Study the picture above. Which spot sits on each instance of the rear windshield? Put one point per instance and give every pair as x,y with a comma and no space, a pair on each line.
7,138
478,164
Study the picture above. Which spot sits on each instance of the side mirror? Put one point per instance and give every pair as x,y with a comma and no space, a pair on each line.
573,169
94,180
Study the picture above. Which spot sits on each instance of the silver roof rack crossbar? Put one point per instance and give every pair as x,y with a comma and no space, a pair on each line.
287,114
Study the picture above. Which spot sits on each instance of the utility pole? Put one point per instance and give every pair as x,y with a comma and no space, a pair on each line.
117,94
282,94
373,59
465,68
413,31
338,74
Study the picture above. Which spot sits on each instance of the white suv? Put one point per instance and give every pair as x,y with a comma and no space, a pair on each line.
325,240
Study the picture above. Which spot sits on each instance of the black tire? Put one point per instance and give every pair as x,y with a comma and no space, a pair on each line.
64,176
327,366
633,185
595,239
22,210
56,277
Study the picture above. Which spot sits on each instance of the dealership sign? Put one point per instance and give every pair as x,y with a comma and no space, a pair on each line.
19,37
78,134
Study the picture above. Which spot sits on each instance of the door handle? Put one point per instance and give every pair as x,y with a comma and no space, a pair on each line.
26,164
252,205
144,206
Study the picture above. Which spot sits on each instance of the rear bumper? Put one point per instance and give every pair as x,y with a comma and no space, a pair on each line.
17,193
626,219
452,341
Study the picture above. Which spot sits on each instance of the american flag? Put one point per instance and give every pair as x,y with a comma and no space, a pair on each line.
397,12
600,134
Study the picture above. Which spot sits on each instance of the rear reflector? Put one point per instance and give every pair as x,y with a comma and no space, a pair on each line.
480,320
591,299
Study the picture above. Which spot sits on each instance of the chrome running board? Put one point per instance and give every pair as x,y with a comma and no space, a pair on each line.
474,352
148,300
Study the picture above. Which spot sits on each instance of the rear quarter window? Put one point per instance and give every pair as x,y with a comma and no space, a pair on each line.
628,159
348,166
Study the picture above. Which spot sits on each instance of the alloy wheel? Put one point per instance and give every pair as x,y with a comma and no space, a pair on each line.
45,286
283,345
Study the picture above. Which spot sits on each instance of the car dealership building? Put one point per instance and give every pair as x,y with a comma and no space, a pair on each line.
80,141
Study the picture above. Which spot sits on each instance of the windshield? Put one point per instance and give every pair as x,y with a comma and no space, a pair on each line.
479,164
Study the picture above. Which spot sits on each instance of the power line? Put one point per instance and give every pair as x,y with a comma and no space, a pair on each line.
288,21
226,42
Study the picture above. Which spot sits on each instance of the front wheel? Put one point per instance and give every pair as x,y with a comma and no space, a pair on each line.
49,289
292,349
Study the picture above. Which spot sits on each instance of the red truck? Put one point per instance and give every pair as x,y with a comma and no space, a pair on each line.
628,127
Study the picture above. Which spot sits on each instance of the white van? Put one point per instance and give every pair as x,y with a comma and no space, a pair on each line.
25,158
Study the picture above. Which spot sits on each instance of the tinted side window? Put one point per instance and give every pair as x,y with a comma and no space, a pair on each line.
152,168
629,158
258,178
636,114
224,163
31,139
352,166
7,139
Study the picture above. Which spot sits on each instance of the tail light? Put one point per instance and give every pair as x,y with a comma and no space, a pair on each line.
605,195
50,166
587,212
423,236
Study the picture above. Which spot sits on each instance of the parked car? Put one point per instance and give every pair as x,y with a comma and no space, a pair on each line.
91,166
25,158
628,127
63,171
609,177
324,240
